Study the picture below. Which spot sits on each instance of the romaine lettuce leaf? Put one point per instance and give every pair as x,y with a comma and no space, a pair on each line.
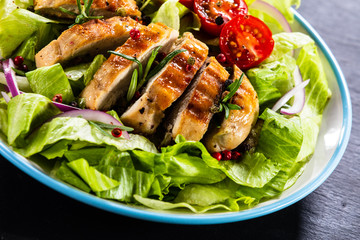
65,174
96,180
22,82
170,14
49,81
18,26
26,112
93,155
79,129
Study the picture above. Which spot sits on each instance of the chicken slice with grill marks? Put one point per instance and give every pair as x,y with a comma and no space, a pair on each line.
234,130
90,38
112,80
192,113
106,8
167,86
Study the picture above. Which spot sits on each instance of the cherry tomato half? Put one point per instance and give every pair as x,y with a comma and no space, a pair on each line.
187,3
214,14
246,41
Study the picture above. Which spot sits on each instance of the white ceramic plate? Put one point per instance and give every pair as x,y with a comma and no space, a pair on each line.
333,138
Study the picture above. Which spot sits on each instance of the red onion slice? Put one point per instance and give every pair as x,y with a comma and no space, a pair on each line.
299,99
10,77
5,96
273,12
65,108
94,116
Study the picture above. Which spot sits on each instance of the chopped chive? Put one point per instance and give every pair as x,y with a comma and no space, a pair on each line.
18,72
132,87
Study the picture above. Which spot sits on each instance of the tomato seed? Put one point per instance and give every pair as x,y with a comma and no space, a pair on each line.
116,132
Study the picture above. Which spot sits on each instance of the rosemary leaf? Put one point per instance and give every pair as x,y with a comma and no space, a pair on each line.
110,126
18,72
132,87
67,11
164,62
233,106
100,129
227,111
130,59
233,88
154,53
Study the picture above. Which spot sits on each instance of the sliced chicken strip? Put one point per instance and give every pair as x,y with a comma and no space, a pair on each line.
90,38
164,88
234,130
192,113
112,80
106,8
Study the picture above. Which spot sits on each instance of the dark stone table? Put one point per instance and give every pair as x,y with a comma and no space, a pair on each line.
30,210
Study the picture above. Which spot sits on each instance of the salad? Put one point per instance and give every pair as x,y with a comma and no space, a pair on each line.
46,116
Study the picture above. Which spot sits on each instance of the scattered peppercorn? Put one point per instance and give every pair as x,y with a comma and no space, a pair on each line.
116,132
235,155
137,95
24,68
216,155
135,34
58,98
146,20
221,58
74,104
18,60
226,155
188,67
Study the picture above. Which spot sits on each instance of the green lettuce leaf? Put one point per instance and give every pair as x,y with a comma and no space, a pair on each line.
285,43
79,129
3,116
93,155
96,180
22,82
170,14
26,112
49,81
17,27
65,174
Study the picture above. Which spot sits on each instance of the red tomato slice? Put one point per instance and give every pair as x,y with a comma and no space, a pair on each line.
214,14
187,3
246,41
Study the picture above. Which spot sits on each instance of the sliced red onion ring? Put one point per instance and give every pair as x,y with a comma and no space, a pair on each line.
5,96
299,99
273,12
94,116
10,77
65,108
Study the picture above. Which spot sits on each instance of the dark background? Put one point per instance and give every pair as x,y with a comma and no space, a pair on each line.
30,210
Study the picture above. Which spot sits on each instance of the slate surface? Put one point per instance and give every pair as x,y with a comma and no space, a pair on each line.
30,210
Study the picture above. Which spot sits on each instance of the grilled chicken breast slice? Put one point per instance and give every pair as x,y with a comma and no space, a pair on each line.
90,38
106,8
234,130
167,86
112,80
192,113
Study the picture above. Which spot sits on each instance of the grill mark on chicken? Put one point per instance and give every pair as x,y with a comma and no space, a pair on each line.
191,115
112,80
90,38
234,130
165,87
106,8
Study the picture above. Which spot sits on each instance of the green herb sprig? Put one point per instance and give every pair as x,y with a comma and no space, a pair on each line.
84,11
224,105
103,126
138,79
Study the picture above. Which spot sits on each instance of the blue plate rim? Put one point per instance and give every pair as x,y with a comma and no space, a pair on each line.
197,219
